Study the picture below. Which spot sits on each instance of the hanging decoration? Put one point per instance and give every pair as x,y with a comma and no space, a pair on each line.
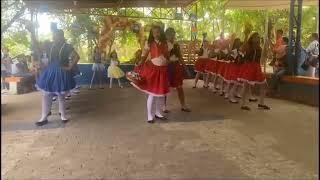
112,24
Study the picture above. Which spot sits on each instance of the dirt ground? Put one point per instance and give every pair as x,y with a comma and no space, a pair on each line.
108,138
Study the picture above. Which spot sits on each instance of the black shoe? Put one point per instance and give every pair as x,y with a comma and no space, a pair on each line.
206,87
194,87
253,100
65,121
41,123
67,108
49,114
151,121
185,110
245,108
161,118
238,97
221,94
166,111
264,107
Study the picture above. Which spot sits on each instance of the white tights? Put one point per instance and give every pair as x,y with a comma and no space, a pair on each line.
159,103
47,103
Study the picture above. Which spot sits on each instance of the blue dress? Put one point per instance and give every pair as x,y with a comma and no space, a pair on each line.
54,79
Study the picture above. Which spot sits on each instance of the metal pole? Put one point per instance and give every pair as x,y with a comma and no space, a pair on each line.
265,42
298,38
291,40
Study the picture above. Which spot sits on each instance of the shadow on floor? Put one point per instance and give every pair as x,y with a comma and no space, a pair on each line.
27,126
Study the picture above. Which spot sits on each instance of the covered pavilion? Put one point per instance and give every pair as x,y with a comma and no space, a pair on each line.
107,137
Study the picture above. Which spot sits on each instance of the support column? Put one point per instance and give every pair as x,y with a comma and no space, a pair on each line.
294,51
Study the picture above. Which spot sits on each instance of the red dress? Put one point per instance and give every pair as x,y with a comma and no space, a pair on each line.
210,66
154,73
200,65
251,71
232,72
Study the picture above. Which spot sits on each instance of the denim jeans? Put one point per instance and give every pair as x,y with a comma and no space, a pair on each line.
276,77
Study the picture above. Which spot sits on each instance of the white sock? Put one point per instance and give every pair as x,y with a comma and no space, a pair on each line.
110,85
159,106
46,106
62,109
149,107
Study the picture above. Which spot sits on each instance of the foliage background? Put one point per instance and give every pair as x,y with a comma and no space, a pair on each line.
79,28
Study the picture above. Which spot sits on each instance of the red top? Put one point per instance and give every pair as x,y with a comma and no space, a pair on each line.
158,49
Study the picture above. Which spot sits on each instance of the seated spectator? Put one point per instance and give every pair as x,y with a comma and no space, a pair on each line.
280,65
313,55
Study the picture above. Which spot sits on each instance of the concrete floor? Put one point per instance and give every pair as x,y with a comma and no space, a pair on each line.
108,138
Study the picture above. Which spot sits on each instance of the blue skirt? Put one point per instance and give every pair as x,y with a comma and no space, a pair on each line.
54,79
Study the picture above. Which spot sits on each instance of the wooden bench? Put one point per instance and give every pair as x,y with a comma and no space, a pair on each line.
301,80
298,79
16,85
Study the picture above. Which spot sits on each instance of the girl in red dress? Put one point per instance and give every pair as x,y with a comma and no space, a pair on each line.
231,76
250,72
200,65
211,63
175,69
154,74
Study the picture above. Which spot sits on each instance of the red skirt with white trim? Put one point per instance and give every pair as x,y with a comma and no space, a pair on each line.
175,70
200,65
232,72
153,80
251,72
221,68
210,66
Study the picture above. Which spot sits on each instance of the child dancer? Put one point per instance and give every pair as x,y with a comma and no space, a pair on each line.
233,70
212,63
155,81
113,70
200,64
97,68
57,77
251,73
175,69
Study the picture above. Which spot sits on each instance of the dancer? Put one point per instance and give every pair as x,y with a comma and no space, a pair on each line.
251,73
154,75
97,68
175,69
231,76
114,72
200,65
57,77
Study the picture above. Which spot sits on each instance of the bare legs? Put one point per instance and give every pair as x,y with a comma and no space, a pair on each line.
99,74
181,99
119,83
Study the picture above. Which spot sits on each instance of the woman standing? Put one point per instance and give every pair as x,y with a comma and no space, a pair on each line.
57,77
175,69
